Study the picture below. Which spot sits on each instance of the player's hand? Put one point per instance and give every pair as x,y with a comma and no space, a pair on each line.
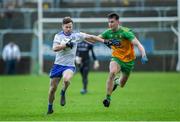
70,44
144,60
108,43
113,42
96,64
78,60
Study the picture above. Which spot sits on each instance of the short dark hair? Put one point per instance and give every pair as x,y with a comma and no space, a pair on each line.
113,15
67,20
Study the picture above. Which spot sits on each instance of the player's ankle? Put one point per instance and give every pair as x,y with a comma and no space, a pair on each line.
63,92
50,107
108,97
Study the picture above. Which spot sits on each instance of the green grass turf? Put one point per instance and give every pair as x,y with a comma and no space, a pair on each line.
146,96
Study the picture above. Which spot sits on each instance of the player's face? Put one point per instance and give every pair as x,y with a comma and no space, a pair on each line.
113,23
67,28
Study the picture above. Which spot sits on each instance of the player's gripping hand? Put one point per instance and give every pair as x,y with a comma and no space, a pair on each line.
144,60
108,43
113,42
70,44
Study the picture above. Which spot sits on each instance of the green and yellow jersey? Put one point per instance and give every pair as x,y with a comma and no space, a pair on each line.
124,52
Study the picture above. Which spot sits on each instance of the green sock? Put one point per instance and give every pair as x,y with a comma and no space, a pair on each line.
108,97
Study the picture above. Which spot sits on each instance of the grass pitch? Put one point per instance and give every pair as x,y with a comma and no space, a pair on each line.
146,96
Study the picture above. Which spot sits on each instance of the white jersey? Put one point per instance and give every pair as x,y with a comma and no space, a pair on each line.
11,52
66,57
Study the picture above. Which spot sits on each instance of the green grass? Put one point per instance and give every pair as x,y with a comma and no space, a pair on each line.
147,96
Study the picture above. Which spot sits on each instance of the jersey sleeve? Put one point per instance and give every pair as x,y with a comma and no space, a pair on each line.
104,34
81,37
128,34
56,40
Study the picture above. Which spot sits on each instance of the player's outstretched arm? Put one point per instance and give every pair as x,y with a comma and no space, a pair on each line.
93,38
136,42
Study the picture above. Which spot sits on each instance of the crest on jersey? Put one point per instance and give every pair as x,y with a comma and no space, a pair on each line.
66,39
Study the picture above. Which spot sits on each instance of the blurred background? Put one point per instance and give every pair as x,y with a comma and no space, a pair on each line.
155,27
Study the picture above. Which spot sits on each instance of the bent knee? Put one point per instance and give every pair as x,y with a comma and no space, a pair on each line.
123,82
66,79
112,72
53,89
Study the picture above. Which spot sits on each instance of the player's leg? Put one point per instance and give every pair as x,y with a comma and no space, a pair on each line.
114,68
55,76
85,71
81,69
126,69
67,75
53,86
121,81
124,79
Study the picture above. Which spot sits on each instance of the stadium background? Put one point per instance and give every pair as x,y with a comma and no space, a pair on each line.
18,23
152,91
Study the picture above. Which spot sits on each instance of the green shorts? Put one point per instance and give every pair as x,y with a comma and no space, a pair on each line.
126,67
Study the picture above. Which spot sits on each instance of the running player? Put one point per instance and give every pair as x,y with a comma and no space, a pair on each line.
123,55
65,45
